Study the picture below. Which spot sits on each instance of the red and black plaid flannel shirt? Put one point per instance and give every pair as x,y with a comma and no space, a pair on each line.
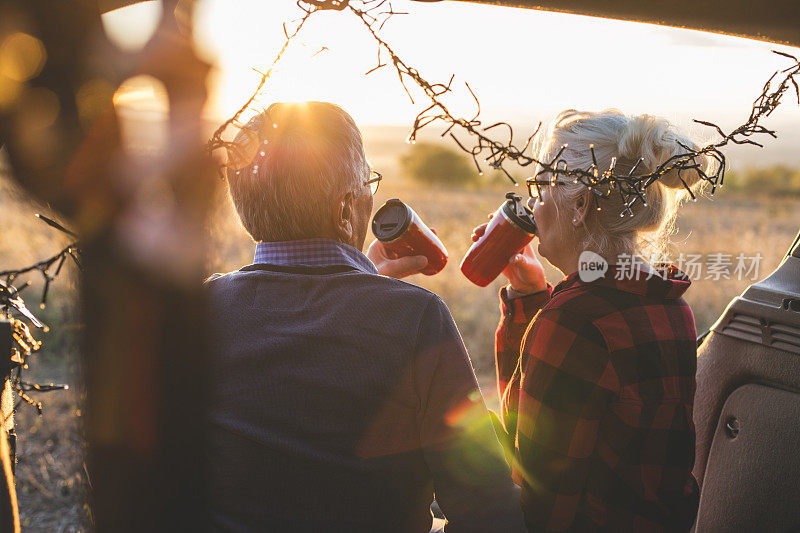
599,404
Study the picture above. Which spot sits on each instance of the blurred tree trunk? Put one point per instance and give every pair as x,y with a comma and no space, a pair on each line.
145,340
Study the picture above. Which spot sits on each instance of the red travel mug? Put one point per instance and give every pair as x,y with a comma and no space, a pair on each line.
403,233
511,228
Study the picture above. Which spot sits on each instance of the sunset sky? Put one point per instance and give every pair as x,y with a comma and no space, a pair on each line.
525,65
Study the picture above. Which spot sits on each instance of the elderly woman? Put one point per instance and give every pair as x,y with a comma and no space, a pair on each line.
597,376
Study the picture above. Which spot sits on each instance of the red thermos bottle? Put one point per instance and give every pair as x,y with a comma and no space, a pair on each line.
511,228
403,233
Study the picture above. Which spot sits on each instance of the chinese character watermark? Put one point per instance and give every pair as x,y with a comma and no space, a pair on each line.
714,266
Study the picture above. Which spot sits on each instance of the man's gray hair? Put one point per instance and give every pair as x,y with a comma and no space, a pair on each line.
305,156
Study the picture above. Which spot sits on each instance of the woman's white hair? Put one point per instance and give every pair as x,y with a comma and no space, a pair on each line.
628,138
289,166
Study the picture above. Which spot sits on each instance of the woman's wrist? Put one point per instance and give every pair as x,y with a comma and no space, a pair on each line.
517,292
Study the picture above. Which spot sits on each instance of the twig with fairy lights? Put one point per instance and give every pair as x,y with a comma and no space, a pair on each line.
603,183
233,151
11,303
631,186
235,155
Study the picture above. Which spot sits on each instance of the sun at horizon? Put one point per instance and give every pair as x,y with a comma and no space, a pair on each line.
524,65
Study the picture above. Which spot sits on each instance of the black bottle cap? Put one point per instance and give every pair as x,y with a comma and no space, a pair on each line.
391,220
518,213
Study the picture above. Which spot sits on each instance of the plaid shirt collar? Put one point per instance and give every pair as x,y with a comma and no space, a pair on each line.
313,253
669,282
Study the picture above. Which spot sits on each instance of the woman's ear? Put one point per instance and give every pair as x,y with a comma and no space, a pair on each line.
343,218
582,206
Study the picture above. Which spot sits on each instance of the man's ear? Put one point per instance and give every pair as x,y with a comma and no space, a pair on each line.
343,218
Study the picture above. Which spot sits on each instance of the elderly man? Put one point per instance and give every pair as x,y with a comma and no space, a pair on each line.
343,399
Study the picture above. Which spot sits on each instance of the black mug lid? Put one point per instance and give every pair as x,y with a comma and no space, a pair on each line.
391,220
518,213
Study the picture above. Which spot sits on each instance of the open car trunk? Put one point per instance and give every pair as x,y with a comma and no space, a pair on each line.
777,21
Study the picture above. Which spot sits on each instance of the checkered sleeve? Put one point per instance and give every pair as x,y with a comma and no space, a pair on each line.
517,313
567,383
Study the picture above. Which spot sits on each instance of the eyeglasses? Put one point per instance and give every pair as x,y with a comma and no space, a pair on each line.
374,181
535,185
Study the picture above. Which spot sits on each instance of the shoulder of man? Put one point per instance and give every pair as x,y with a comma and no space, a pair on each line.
404,287
215,282
427,302
212,278
384,285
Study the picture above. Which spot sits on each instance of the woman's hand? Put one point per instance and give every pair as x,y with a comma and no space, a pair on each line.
394,267
524,271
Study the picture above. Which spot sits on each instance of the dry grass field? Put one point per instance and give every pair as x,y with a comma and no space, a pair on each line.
51,479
